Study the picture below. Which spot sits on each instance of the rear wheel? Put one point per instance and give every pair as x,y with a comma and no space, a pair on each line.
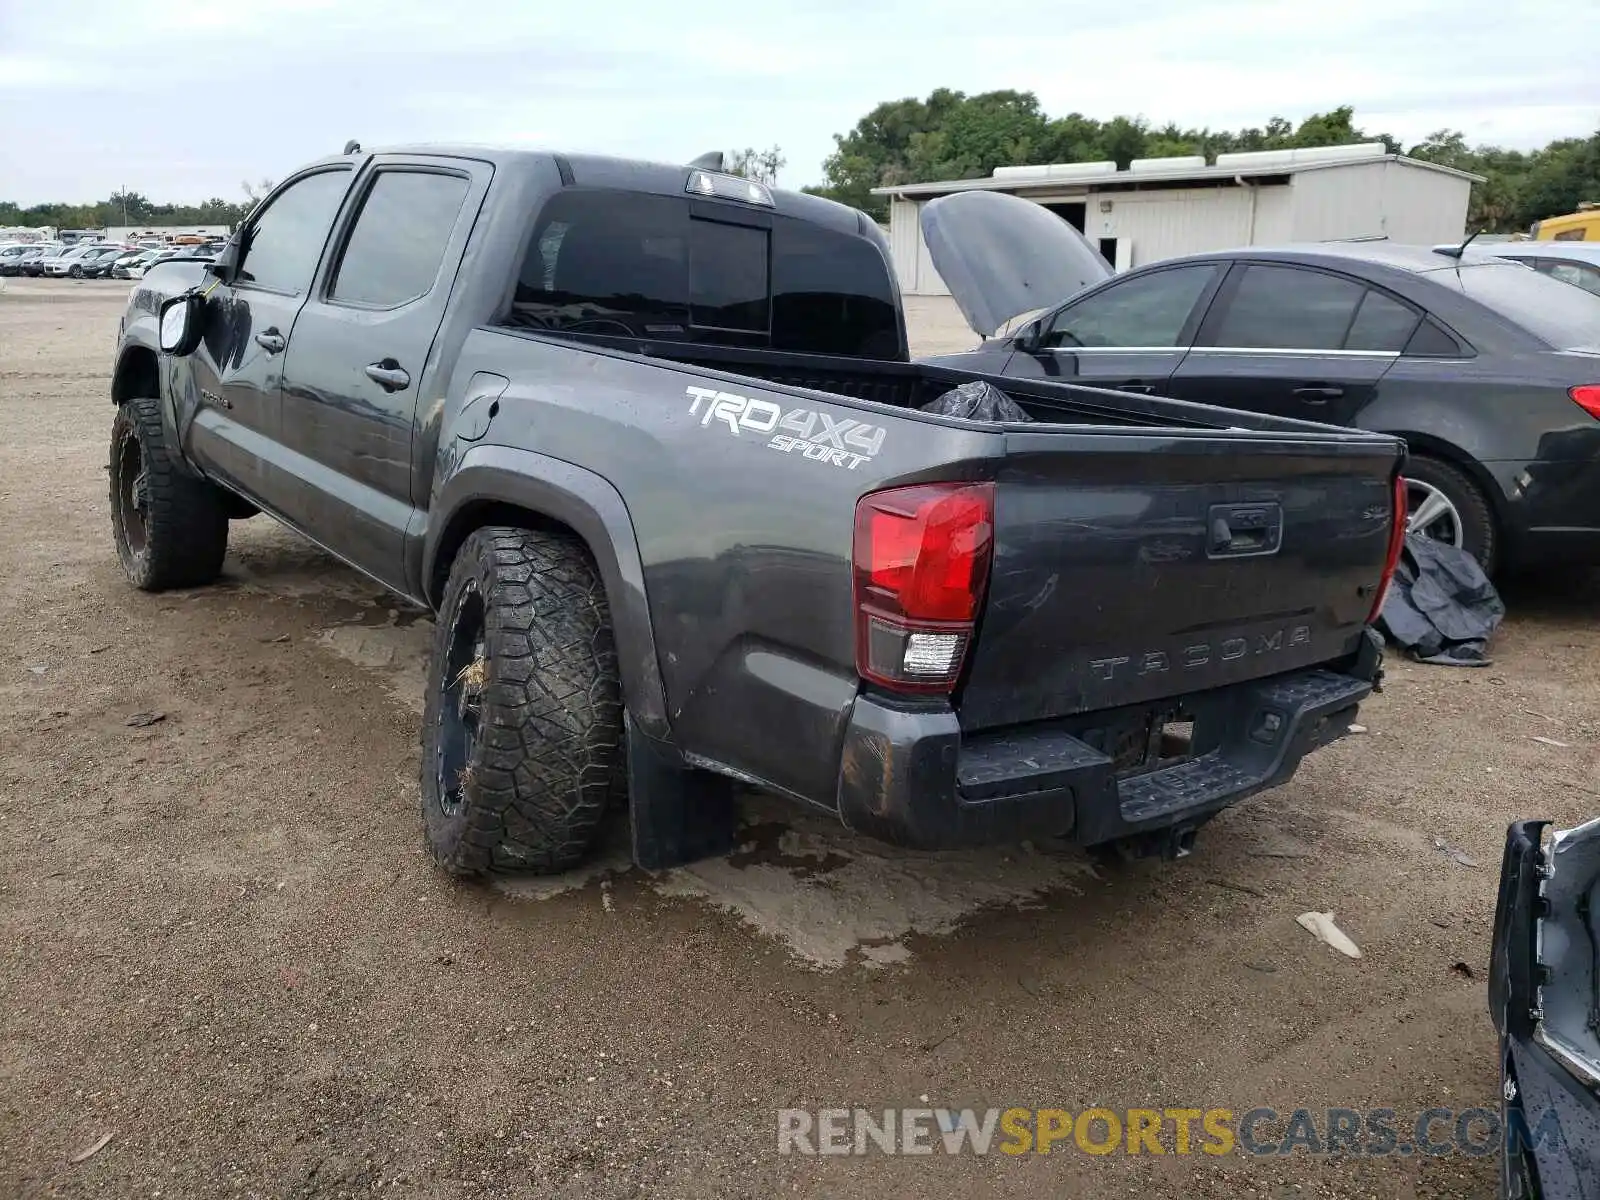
1444,504
522,734
170,527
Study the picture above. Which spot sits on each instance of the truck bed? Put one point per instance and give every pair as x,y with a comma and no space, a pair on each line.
1109,587
911,385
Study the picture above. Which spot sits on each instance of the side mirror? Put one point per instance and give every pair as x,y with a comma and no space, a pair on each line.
1030,336
226,264
182,323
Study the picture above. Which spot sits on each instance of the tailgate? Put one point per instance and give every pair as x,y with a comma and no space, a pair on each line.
1131,567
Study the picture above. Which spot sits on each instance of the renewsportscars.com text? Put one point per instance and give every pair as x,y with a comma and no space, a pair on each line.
1376,1132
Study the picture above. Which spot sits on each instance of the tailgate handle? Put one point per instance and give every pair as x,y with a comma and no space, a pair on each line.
1237,530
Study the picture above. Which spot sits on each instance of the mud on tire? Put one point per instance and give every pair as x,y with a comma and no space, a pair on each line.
522,731
170,527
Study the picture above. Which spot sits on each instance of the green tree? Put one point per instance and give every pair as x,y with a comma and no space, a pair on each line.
761,165
950,135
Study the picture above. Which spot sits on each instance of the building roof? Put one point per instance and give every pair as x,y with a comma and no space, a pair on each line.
1105,177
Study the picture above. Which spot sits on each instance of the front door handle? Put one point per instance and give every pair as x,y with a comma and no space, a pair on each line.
1134,385
271,341
1318,393
389,375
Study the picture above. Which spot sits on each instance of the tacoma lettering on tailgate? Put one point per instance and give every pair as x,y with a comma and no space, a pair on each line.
1199,654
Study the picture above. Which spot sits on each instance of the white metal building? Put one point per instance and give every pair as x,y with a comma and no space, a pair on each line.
132,233
1163,207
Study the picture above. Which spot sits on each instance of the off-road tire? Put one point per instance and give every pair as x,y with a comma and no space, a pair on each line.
1478,533
180,536
547,756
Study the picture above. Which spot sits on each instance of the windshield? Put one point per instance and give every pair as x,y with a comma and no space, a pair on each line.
1565,317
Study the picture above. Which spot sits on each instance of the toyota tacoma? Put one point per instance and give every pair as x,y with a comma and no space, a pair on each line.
648,441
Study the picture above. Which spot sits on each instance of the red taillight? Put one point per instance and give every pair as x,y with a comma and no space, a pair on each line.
1587,397
921,563
1397,541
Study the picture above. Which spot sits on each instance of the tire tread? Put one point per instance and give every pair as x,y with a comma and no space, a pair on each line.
551,747
186,518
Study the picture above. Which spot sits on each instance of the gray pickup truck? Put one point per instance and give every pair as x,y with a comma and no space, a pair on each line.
648,441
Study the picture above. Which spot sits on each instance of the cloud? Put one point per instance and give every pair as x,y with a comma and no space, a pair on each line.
182,100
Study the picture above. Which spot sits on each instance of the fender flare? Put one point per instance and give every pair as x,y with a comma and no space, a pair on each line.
136,341
488,480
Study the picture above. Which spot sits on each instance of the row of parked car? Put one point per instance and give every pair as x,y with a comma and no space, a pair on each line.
93,260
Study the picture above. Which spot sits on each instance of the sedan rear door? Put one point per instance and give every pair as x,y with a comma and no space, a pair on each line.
1295,341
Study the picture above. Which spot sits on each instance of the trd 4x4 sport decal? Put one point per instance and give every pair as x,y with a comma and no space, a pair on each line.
839,442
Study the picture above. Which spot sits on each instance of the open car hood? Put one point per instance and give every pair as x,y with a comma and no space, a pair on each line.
1002,256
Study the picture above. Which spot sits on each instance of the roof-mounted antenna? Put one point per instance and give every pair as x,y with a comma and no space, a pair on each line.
1457,251
352,147
711,161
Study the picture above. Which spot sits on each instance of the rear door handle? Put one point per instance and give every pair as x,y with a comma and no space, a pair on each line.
389,375
271,341
1318,393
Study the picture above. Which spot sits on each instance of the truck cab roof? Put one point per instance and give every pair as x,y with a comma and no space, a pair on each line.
628,174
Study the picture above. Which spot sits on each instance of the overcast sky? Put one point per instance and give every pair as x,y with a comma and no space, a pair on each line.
183,101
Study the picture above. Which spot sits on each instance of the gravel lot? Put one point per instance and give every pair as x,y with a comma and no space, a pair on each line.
222,943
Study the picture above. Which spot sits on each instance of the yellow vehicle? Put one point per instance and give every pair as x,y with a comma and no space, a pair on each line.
1581,226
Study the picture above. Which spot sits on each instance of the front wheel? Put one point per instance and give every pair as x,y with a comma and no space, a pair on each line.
522,732
76,272
1444,504
170,527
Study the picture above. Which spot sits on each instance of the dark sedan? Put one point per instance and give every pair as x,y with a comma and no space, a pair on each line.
1490,371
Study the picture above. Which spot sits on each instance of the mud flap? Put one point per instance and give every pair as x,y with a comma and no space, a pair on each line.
677,815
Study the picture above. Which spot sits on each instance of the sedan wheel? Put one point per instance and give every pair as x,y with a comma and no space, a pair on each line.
1431,514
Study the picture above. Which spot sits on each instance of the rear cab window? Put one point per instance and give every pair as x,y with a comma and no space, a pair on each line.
1560,315
626,264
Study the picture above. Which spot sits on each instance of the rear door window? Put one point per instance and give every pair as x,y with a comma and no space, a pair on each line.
393,253
1381,323
1286,308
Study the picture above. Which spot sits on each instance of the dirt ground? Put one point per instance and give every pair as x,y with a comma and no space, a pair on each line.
222,945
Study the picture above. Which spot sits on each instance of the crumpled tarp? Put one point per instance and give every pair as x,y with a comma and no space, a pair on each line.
977,401
1441,607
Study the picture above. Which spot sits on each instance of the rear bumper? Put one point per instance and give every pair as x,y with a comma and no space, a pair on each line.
909,776
1552,507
